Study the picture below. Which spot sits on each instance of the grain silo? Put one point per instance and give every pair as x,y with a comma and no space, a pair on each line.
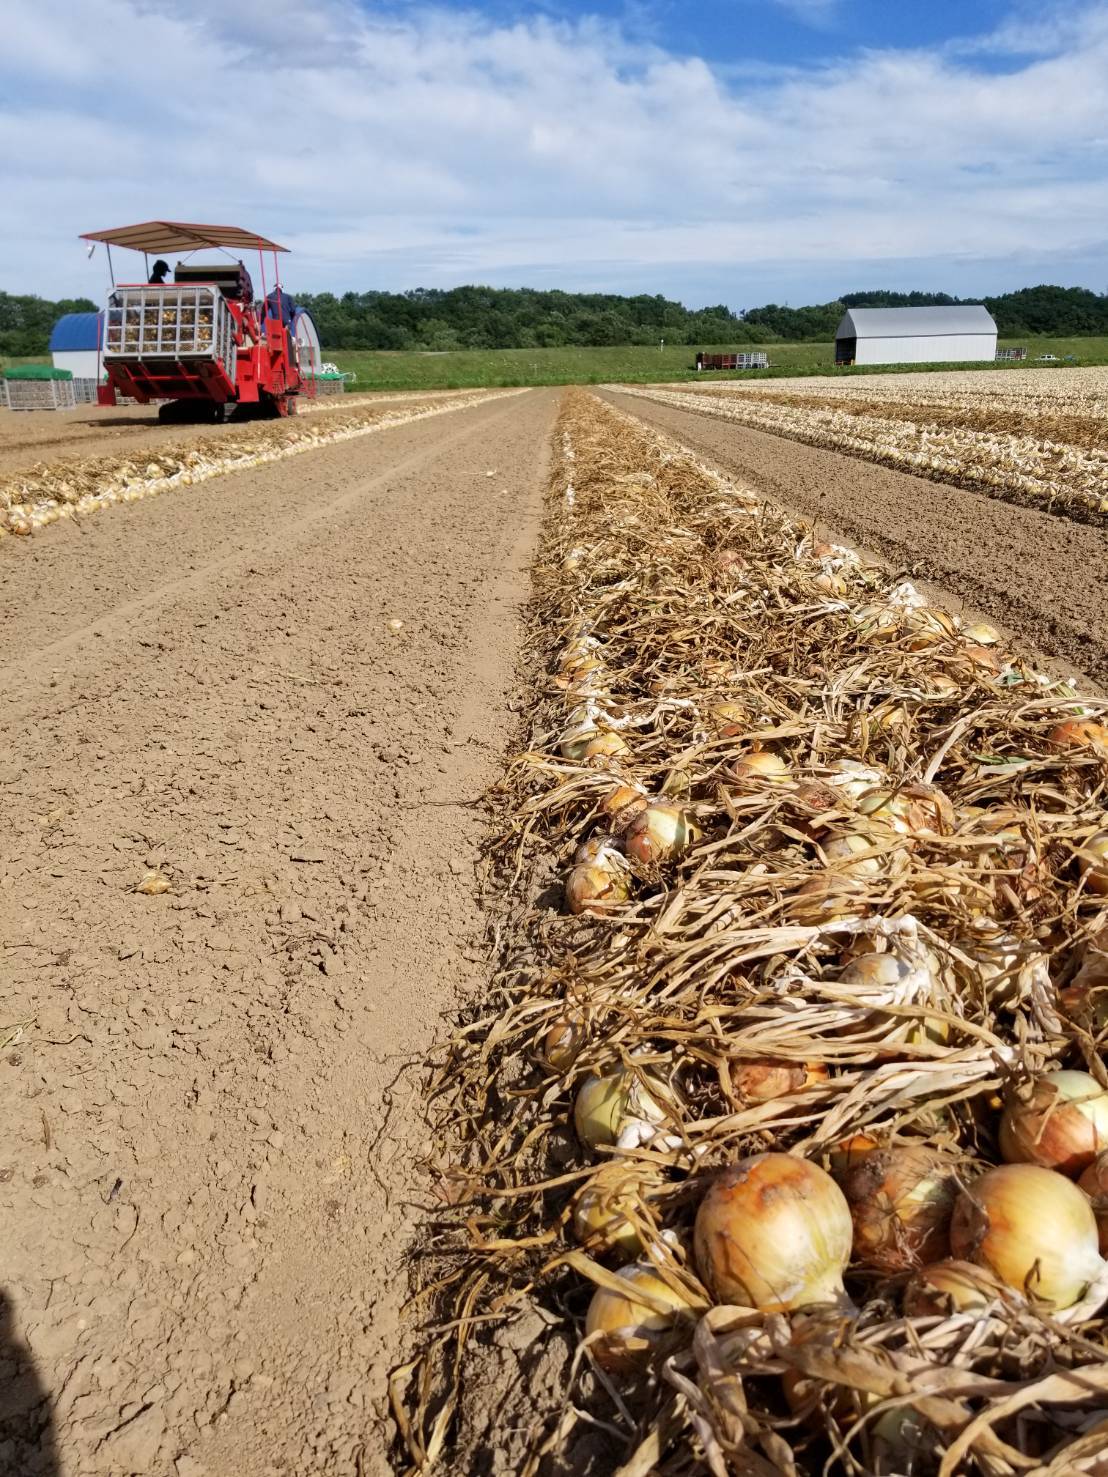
962,334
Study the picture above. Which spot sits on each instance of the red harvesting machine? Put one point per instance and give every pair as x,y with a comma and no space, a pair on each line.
198,340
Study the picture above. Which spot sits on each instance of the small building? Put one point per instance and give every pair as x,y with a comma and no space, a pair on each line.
955,335
75,346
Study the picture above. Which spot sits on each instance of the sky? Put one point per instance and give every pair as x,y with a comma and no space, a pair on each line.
717,151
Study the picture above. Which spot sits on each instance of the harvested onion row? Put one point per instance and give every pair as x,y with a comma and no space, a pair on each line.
73,487
840,954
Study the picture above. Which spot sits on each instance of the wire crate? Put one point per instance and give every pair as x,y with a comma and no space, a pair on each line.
38,394
172,323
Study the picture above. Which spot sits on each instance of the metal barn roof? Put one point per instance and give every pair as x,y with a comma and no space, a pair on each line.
74,332
914,322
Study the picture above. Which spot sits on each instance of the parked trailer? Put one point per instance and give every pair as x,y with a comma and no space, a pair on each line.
732,361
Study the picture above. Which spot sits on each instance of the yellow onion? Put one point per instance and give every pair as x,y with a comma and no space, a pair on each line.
1033,1228
605,746
660,832
728,561
601,1210
601,850
825,898
760,768
950,1287
563,1041
850,1151
622,804
628,1331
1094,1181
773,1233
605,1103
1079,733
1092,857
886,979
728,719
592,888
981,633
1061,1122
901,1200
910,811
761,1079
846,851
853,779
830,584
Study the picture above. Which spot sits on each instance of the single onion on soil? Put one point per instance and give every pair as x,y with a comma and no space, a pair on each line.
660,832
593,888
627,1330
1033,1228
901,1200
950,1287
1094,1181
774,1233
1061,1122
605,1103
761,1079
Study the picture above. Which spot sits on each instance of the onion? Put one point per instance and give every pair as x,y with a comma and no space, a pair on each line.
728,719
850,1152
629,1331
854,779
847,849
1093,858
901,1200
622,804
605,1103
1079,733
563,1041
981,633
912,810
825,898
600,850
660,832
600,1210
1094,1181
592,888
830,584
1062,1124
773,1233
605,745
761,1079
1033,1228
728,561
760,768
950,1287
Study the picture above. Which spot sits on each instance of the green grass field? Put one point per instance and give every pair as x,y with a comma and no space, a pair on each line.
494,367
474,368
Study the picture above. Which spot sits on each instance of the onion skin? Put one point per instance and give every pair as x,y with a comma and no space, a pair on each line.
950,1287
629,1332
850,1152
595,889
901,1200
660,832
1063,1126
1094,1181
774,1233
761,1079
1031,1227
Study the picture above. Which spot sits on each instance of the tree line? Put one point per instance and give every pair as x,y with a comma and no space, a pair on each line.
441,319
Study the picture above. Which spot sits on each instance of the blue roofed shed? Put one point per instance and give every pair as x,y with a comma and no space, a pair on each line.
75,344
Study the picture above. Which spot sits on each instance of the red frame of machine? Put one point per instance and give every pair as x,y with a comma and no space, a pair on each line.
268,366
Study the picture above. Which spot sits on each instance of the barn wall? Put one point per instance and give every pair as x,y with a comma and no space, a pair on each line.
929,349
81,363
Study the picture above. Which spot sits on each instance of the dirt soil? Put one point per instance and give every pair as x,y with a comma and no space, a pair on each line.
30,436
1042,578
208,1174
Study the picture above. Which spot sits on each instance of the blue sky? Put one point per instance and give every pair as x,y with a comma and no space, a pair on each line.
734,151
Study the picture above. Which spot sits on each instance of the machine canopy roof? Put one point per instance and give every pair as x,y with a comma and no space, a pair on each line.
158,236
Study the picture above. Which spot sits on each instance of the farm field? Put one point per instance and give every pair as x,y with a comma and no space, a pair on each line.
445,833
641,365
1023,436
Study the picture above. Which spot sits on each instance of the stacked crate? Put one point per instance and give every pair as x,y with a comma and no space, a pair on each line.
38,387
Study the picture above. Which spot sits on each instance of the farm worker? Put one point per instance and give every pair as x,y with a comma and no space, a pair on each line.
159,274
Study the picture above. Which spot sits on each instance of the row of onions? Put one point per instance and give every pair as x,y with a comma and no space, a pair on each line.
72,487
792,1101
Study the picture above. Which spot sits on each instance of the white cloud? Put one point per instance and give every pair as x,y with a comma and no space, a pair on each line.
435,146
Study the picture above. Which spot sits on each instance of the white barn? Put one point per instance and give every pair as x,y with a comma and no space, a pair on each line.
962,334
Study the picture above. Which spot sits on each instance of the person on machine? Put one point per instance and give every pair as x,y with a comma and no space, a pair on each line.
159,274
